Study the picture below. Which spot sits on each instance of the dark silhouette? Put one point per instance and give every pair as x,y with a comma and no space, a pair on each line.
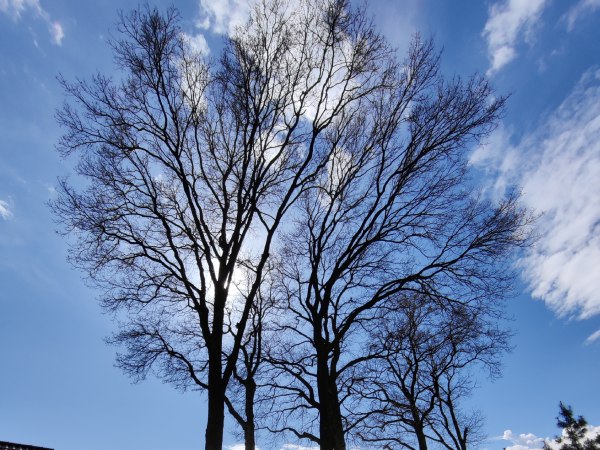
574,432
427,350
307,158
14,446
241,399
394,215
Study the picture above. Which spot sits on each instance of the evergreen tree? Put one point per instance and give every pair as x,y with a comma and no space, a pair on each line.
574,431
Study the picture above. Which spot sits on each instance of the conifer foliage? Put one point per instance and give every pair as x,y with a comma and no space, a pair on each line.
574,433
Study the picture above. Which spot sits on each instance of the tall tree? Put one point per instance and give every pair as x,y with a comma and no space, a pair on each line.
193,167
393,214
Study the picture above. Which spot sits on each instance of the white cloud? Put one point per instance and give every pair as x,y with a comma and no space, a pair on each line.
57,32
499,159
296,447
578,11
285,447
507,22
593,337
16,8
592,431
530,441
223,16
197,43
522,441
558,168
5,212
398,21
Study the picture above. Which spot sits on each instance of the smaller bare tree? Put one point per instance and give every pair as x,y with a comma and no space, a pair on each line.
241,397
428,349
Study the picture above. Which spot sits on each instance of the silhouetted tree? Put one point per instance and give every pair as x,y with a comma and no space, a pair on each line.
394,213
193,167
574,431
241,400
428,349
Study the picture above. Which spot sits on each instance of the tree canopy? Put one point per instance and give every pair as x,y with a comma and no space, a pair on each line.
255,221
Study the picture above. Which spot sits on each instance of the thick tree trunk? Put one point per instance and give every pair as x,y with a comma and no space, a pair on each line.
249,440
216,407
421,439
249,430
331,429
216,386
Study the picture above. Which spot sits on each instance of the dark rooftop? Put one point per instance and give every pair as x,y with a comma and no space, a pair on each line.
14,446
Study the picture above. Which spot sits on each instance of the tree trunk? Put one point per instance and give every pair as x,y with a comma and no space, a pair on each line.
331,429
216,388
216,407
249,430
420,432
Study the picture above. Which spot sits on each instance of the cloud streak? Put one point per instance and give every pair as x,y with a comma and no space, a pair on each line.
593,337
578,11
16,8
509,21
558,167
5,212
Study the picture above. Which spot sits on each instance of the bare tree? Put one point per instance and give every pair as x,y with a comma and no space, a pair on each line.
428,351
393,214
192,167
241,399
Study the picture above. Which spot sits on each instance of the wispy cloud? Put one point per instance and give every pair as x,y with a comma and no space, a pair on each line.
17,8
593,337
5,212
509,21
584,7
223,16
57,33
398,21
558,167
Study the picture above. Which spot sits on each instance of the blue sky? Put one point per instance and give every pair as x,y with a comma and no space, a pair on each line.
58,386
